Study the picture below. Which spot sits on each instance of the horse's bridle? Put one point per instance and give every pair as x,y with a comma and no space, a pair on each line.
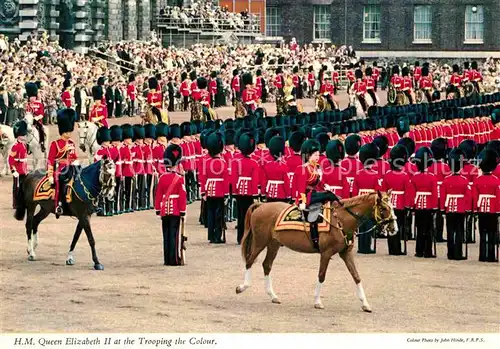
377,215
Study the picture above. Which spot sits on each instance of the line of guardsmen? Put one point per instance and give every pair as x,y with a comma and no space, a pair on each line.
237,162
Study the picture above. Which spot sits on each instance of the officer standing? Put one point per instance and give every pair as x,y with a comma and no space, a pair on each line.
116,143
170,204
103,138
18,158
246,177
214,180
275,182
127,166
455,201
139,186
147,150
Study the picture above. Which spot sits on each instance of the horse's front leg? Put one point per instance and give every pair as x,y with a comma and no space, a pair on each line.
85,221
348,258
323,266
71,260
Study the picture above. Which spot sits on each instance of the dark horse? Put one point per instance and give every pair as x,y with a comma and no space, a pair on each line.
87,185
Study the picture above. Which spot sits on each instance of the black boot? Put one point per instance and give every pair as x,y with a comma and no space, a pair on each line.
315,235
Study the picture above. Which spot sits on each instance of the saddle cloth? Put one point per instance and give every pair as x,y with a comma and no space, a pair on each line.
44,190
291,219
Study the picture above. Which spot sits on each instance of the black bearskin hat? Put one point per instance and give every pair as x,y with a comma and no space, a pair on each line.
131,77
127,131
466,65
235,72
358,73
335,151
101,81
296,140
368,71
184,76
270,133
277,146
66,84
439,147
31,89
66,120
215,143
456,68
20,128
456,160
474,65
395,69
409,144
97,93
368,153
246,143
174,131
150,131
425,71
185,129
323,140
382,143
229,136
202,83
423,158
103,135
172,155
398,156
116,133
352,144
153,83
247,79
405,71
258,72
469,147
488,160
295,70
161,130
192,75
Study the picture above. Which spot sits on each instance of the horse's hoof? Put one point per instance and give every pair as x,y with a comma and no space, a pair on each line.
319,306
276,301
366,308
99,267
239,289
31,258
70,261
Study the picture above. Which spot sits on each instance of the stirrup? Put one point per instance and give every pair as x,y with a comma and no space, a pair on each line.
59,210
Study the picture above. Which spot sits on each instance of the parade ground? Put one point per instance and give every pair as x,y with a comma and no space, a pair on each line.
137,293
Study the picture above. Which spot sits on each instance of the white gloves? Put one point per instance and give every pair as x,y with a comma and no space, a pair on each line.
15,174
302,207
51,180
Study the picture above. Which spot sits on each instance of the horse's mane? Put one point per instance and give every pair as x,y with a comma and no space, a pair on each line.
356,200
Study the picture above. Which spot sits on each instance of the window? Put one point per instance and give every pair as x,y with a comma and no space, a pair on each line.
371,24
272,21
474,24
422,24
322,23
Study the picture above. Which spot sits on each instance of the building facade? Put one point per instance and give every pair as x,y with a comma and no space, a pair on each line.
78,23
389,25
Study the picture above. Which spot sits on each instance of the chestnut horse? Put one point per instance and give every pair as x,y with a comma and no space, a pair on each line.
260,221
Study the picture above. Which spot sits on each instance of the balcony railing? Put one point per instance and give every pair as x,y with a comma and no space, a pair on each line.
250,25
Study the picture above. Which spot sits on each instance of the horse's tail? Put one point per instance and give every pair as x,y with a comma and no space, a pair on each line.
20,204
246,242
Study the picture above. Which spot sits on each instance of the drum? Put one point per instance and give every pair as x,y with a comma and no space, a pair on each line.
391,94
468,89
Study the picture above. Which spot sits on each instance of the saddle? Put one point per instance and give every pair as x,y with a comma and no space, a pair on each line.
291,218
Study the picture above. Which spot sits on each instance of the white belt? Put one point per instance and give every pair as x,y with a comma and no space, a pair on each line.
439,183
270,183
333,187
139,161
421,193
242,179
174,196
214,180
450,197
118,162
483,197
149,161
366,191
128,162
21,160
397,192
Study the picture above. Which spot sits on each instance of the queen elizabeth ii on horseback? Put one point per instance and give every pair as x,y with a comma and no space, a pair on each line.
310,190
